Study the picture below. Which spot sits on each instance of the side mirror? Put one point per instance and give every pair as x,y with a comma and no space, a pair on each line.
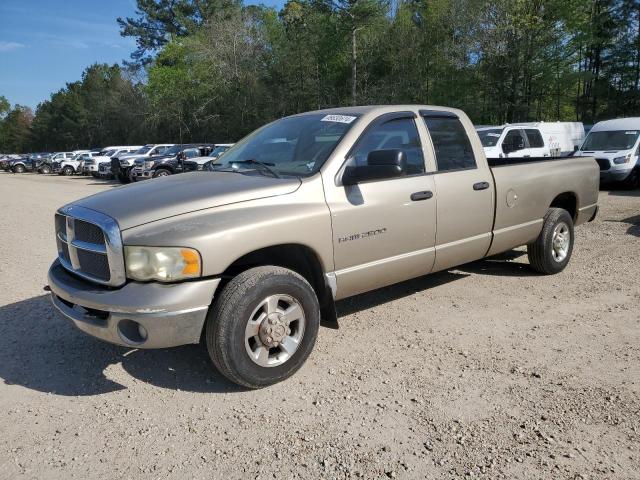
381,164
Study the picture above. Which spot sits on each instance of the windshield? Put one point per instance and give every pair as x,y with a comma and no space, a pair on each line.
295,146
216,152
107,153
143,150
490,137
173,150
611,140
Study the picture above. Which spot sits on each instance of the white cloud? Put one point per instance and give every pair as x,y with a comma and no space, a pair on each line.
8,46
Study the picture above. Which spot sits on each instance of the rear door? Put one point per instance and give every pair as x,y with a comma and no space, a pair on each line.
537,147
464,189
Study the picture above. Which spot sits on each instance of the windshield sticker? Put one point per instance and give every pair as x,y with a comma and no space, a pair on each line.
630,133
338,118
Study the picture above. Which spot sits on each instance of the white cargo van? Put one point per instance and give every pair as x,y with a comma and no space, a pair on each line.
538,139
615,144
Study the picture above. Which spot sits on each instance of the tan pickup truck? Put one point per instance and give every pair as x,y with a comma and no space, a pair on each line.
307,210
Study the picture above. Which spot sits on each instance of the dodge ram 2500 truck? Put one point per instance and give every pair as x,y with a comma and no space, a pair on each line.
305,211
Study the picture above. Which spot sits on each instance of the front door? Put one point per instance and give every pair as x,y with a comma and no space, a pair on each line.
380,234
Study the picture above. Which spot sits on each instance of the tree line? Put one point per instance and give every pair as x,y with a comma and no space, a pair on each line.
213,70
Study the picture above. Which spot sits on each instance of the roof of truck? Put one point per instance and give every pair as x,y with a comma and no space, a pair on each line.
631,123
364,109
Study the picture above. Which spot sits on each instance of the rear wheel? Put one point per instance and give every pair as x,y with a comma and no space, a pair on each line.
46,169
68,171
263,326
551,251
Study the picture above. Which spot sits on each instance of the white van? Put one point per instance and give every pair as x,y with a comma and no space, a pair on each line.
615,144
539,139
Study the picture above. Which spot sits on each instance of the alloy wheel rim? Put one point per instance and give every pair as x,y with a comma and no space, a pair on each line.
274,330
560,241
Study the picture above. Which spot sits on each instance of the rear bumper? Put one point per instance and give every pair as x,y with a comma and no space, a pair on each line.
169,314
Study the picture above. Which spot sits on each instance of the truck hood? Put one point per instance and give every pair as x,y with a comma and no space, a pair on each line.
146,202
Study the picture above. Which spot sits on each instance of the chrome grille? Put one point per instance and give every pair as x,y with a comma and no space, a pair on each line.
89,245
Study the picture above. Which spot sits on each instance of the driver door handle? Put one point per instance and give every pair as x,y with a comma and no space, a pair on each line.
481,186
417,196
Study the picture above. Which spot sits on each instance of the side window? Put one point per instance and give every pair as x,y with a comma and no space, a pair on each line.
400,134
451,144
513,142
535,138
191,153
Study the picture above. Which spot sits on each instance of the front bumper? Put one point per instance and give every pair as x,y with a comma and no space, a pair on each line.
610,176
169,314
141,174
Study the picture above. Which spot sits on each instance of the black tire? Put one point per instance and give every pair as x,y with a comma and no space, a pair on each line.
229,316
543,258
632,182
18,169
161,172
68,171
46,169
123,177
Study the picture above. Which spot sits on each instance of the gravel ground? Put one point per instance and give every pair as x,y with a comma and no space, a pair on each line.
485,371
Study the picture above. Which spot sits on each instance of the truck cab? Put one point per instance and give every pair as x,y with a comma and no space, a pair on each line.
513,141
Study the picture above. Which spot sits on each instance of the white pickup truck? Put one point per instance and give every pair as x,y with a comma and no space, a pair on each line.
538,139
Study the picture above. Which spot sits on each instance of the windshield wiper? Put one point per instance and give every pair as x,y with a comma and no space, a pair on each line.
262,165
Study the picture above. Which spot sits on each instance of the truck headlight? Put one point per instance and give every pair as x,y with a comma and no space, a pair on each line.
622,160
148,164
164,264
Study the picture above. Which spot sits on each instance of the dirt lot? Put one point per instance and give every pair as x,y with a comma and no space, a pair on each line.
486,371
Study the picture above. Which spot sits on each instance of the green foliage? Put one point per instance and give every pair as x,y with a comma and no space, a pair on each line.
214,69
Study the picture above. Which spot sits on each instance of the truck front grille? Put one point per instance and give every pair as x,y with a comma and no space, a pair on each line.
190,166
88,232
115,166
603,163
89,245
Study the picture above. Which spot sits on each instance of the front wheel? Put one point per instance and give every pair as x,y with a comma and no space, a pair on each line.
263,326
551,251
632,182
68,171
161,172
18,169
123,177
46,169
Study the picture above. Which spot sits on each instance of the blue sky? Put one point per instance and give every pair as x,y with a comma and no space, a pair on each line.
46,43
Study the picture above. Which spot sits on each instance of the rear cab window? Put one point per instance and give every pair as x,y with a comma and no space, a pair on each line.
451,143
535,138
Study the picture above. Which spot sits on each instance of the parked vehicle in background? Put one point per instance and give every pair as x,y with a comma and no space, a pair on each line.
46,165
92,166
307,210
122,166
201,163
540,139
171,162
27,163
615,144
72,165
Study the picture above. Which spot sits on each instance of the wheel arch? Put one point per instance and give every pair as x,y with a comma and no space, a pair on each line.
297,257
567,201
